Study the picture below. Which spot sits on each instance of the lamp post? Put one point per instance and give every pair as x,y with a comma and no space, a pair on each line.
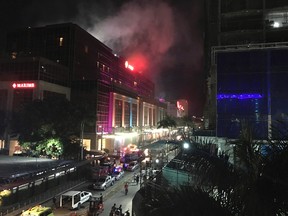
82,132
185,146
101,141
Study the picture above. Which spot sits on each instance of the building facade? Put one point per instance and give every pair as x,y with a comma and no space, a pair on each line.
250,30
251,86
123,98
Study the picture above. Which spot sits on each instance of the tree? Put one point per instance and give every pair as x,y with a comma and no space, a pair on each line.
250,186
167,122
255,184
53,122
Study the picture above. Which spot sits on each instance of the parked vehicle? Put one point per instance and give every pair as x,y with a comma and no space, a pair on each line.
99,171
118,173
132,166
104,182
133,156
74,199
38,211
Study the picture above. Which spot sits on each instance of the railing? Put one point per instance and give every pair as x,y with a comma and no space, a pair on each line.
39,199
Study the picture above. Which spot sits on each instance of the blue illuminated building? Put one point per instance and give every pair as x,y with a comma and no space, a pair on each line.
252,86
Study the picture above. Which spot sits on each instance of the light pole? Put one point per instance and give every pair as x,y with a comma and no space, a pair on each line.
82,132
101,141
186,146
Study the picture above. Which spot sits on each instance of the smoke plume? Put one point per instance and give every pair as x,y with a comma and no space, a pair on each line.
142,31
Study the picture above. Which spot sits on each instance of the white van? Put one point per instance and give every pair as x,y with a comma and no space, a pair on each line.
74,199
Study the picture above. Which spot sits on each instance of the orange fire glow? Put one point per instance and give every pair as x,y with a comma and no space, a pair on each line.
139,61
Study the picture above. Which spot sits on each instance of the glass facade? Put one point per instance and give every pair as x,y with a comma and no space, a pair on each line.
33,68
118,113
20,97
127,114
3,99
251,87
134,115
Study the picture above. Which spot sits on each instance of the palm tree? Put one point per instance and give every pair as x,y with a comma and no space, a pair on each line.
167,122
255,184
188,201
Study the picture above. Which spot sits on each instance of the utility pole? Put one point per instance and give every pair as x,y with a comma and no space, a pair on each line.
101,141
81,137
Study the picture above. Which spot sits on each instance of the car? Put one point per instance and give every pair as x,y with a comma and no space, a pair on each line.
132,166
118,173
104,182
38,210
74,199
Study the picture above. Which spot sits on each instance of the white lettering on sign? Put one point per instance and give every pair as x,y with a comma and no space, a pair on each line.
127,65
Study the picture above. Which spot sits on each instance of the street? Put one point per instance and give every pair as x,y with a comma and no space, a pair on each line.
114,194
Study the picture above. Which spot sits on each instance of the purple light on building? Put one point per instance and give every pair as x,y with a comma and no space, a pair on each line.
239,96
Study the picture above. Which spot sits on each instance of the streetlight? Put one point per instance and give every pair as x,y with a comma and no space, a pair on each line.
82,132
186,145
101,141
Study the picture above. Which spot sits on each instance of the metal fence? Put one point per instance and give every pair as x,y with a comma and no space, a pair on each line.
17,208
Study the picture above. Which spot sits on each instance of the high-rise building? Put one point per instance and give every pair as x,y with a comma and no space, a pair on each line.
123,98
245,47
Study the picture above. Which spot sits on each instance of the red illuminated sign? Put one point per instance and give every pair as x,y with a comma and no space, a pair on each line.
180,106
23,85
129,66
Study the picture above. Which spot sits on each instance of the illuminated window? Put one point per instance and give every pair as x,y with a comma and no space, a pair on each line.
61,41
127,65
277,18
127,113
118,113
102,68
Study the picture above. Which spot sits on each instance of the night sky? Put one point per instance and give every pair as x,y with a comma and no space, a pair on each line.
161,38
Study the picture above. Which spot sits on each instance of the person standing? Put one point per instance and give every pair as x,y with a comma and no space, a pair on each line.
126,188
113,209
120,209
54,201
137,179
100,205
101,198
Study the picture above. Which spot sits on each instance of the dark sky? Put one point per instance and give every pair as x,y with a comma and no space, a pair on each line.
161,38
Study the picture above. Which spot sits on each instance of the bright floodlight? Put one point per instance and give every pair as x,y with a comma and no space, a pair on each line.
157,160
185,145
